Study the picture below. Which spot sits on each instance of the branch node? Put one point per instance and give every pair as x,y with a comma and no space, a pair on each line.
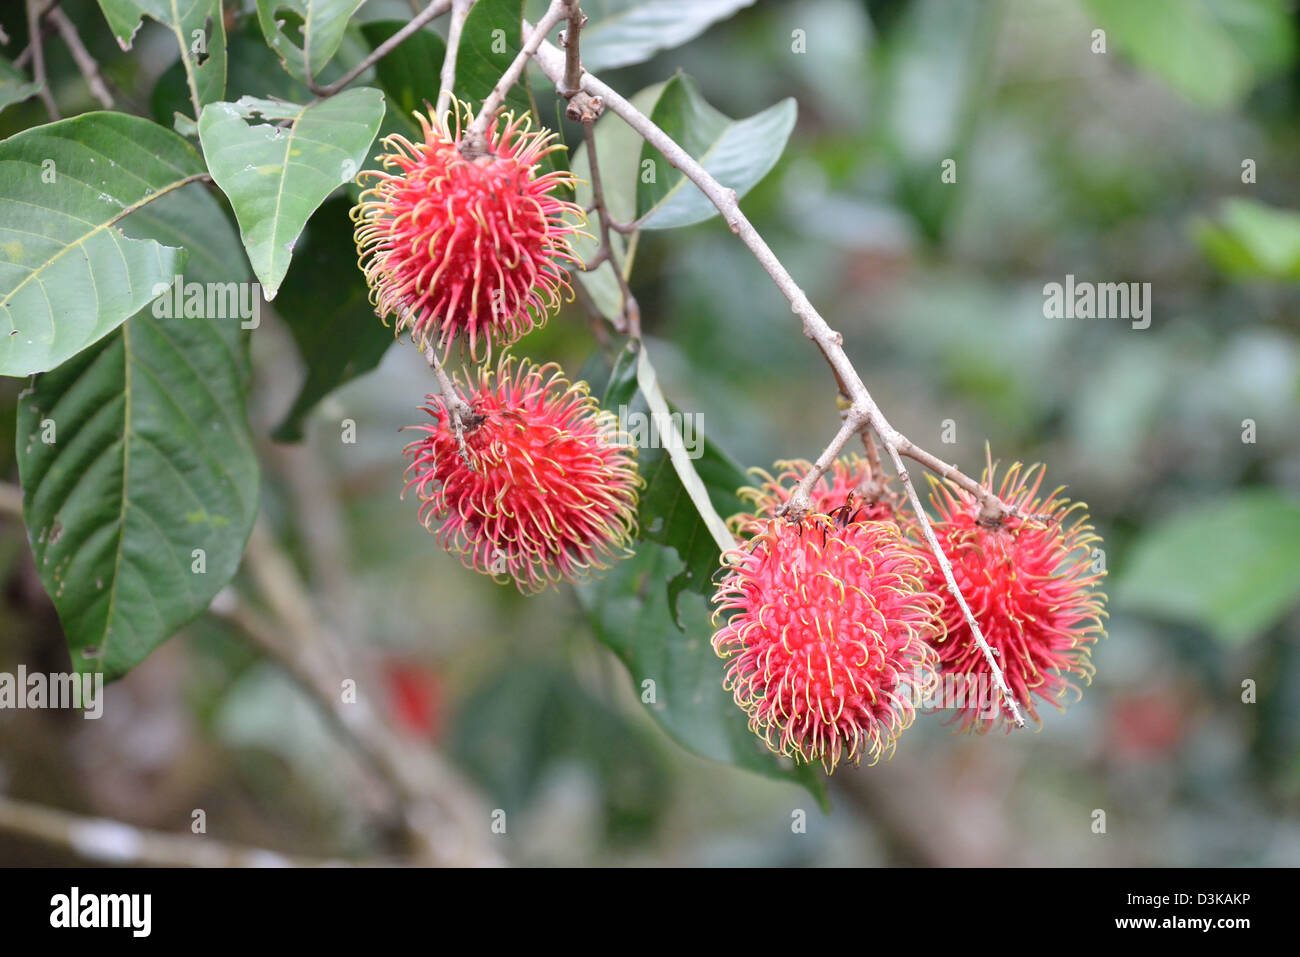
795,507
583,107
474,144
992,512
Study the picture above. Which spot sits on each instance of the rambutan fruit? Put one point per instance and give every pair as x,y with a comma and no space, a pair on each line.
839,486
1031,585
828,636
538,487
461,240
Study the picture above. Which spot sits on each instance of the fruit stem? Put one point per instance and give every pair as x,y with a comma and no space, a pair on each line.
447,78
460,413
477,131
572,84
431,12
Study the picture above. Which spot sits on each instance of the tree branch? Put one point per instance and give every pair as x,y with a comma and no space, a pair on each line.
629,321
11,501
447,78
862,410
428,14
35,10
476,135
875,484
441,814
572,83
85,62
460,413
990,656
830,342
101,839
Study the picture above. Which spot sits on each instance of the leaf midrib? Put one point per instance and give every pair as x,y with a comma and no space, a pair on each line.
126,480
85,238
190,77
284,174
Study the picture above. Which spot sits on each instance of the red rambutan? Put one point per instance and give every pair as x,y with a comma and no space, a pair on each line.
543,489
459,241
828,636
1031,585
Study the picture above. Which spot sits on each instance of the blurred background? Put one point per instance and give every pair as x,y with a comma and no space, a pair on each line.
1128,165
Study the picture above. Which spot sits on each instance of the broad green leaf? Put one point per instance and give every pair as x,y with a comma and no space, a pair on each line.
1253,240
68,275
200,31
629,612
305,34
1211,51
690,482
410,74
738,153
620,380
326,303
1231,566
489,42
277,175
624,32
139,477
680,455
14,86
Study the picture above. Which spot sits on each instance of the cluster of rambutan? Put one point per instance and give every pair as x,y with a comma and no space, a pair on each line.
464,239
840,626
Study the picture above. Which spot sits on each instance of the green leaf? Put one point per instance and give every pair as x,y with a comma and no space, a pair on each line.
620,385
690,482
276,176
629,612
1211,51
14,86
305,34
738,153
410,74
624,32
326,303
68,276
151,459
1253,240
199,27
1232,567
489,42
252,67
680,455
